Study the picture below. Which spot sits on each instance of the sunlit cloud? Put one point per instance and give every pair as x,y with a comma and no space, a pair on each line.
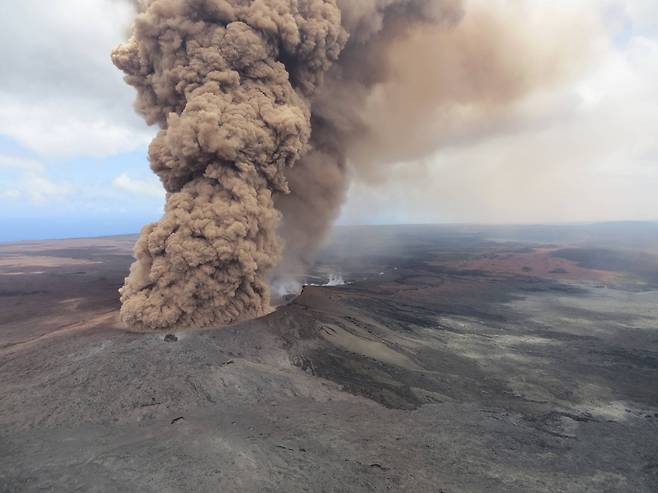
150,187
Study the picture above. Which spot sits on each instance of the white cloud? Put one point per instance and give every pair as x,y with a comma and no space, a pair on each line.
60,95
41,190
643,13
149,187
10,194
20,163
27,179
60,129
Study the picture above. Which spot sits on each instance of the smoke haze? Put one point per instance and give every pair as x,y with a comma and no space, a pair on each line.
269,108
415,77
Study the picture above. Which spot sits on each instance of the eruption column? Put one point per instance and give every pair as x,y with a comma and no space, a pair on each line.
236,87
229,84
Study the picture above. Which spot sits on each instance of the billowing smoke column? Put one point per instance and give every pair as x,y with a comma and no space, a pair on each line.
266,107
229,84
320,180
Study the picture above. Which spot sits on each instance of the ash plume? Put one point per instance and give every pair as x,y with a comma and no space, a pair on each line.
229,85
416,76
266,110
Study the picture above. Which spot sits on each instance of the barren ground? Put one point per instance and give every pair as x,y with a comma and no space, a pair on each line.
449,363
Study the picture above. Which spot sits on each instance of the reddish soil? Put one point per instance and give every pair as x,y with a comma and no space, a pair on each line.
538,263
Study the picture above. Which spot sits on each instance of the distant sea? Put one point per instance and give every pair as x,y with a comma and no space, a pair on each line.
49,228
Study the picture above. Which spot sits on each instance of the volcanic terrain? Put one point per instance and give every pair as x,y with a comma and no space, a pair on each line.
454,359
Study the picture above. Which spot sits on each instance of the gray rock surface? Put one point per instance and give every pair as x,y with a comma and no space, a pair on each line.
431,377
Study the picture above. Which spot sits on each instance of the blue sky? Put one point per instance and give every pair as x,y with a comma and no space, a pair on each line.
73,152
75,196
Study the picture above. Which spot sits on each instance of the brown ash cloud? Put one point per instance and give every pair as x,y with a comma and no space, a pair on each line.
267,109
229,85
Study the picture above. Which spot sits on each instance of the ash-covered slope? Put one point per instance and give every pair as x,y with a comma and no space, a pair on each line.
420,375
